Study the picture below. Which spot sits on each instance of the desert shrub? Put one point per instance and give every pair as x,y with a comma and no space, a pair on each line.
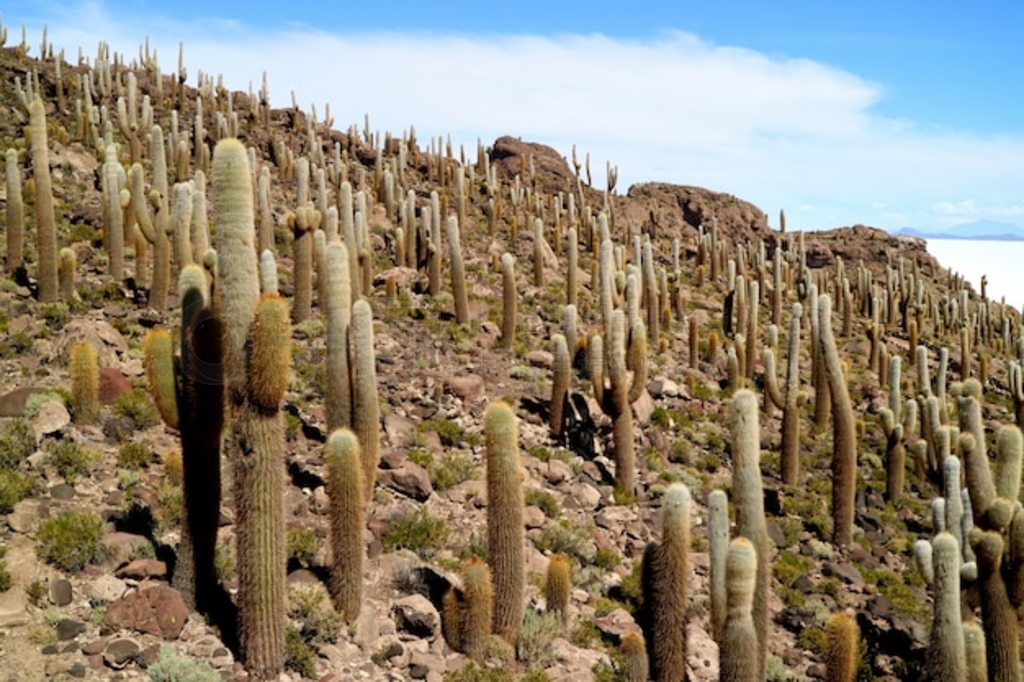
71,540
416,530
170,666
14,487
534,644
134,455
303,545
311,608
71,459
16,444
5,575
136,406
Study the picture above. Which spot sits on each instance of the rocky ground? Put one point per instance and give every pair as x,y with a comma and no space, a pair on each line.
111,619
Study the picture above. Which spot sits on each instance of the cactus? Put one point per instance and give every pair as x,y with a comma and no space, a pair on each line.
842,648
345,488
844,434
505,529
46,228
739,649
365,401
665,580
509,300
85,383
257,365
635,654
693,337
974,646
15,213
303,223
471,609
718,549
573,266
559,384
946,657
66,271
895,455
749,501
338,308
558,585
114,205
458,272
998,616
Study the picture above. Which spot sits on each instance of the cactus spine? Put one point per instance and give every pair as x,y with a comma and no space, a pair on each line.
505,529
558,585
365,402
257,364
46,228
666,575
85,383
345,486
842,648
844,433
739,651
15,213
749,501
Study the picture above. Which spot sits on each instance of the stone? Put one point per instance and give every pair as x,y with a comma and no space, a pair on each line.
421,665
843,571
701,654
469,387
158,610
62,491
614,517
142,568
25,515
24,568
587,496
106,339
68,628
53,418
617,624
120,652
533,517
113,385
643,408
410,479
95,646
60,592
541,358
416,615
12,404
120,546
557,471
105,589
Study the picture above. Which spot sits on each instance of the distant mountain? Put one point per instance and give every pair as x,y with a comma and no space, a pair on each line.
984,230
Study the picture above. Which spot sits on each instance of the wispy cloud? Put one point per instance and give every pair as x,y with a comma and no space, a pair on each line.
778,131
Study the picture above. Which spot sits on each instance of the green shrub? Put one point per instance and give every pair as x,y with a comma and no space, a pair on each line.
298,655
56,315
311,608
5,575
134,455
170,666
448,431
534,644
562,537
14,487
224,563
71,459
471,672
136,406
452,470
36,401
16,444
171,504
71,540
303,545
416,530
544,501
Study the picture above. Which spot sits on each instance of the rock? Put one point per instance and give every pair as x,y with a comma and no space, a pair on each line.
533,517
557,471
844,571
12,404
151,653
105,589
701,654
421,665
24,568
551,168
416,615
113,384
643,408
142,568
26,514
775,533
158,610
53,418
617,624
615,517
396,427
102,335
469,387
587,496
541,358
62,491
410,479
120,652
68,628
120,546
60,592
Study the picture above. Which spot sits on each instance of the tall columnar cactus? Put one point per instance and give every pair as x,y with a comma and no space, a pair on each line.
338,308
739,649
748,498
665,581
115,201
15,213
718,549
997,613
573,266
561,375
188,392
303,223
558,585
257,365
458,272
470,611
842,648
155,230
46,227
946,659
974,647
345,488
505,529
83,369
895,455
365,401
790,460
67,270
844,433
509,300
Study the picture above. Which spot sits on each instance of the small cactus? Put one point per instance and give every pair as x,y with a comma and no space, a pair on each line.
85,383
739,649
558,585
842,648
478,608
635,654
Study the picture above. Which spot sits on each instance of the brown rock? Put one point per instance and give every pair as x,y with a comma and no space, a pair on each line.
158,610
468,386
13,404
113,384
120,652
142,568
410,479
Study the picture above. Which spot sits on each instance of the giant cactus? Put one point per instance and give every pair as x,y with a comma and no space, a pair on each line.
666,576
844,433
346,490
46,228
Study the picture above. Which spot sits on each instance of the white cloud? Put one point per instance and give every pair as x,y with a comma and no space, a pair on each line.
777,131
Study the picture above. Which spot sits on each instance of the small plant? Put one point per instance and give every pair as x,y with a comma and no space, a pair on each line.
534,644
224,563
35,402
171,504
136,406
56,315
71,540
563,537
5,575
134,455
416,530
16,444
471,672
14,487
174,472
170,666
303,545
298,655
34,592
71,459
544,501
311,608
452,470
449,432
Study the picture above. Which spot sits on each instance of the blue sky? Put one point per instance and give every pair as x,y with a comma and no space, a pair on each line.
892,114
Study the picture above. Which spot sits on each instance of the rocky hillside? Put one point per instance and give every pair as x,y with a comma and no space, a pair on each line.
191,505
